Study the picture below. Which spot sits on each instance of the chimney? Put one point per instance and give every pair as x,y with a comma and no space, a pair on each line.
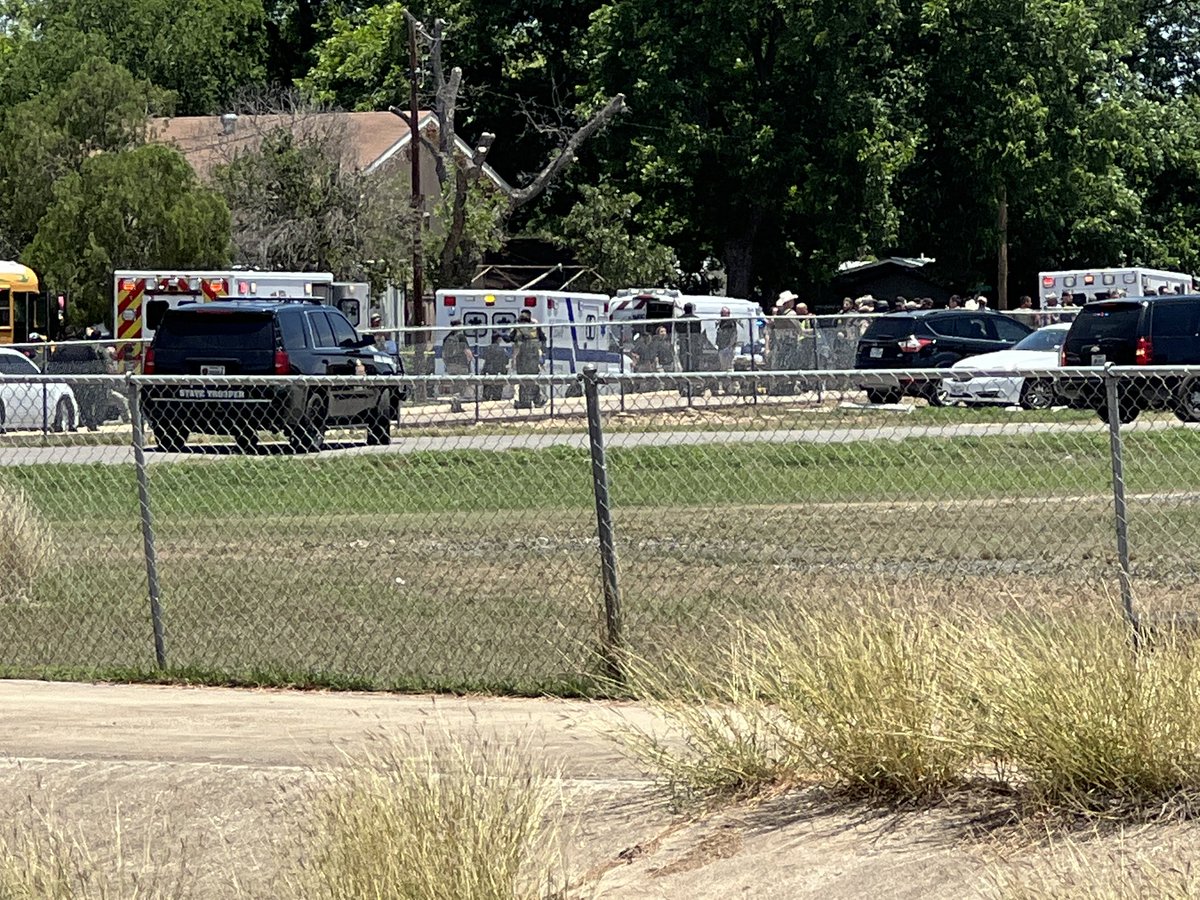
228,122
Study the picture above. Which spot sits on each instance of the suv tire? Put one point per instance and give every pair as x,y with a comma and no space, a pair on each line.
169,436
379,425
880,396
1187,405
1037,393
308,434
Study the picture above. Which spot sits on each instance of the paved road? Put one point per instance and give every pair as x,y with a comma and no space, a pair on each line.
120,454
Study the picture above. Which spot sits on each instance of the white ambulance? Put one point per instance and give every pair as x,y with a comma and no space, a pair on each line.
1086,285
575,326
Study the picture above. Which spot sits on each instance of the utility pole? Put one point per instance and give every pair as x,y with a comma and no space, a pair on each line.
418,199
1002,250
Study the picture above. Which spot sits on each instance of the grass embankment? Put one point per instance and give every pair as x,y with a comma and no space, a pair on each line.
1044,712
479,570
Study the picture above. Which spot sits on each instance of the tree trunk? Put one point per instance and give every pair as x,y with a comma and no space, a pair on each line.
738,258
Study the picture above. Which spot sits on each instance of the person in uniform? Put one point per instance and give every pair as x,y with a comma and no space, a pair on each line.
527,340
495,362
457,359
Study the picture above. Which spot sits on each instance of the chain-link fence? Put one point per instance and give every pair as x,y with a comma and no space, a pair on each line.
332,530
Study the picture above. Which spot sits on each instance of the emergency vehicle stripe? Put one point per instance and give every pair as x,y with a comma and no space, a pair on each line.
129,327
211,291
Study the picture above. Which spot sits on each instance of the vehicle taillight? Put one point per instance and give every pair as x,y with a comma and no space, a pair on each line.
1062,355
531,301
449,301
1143,355
148,362
914,344
283,365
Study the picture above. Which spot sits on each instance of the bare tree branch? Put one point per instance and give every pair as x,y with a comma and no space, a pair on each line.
567,156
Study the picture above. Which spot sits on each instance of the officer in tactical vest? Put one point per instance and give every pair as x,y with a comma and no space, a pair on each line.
527,340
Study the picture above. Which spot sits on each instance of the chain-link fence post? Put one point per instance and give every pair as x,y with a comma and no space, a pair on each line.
613,624
1113,402
143,487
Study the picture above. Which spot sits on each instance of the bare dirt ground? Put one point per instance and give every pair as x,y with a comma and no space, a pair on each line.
212,781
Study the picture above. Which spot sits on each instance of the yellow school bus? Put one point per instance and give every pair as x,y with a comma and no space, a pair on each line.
22,308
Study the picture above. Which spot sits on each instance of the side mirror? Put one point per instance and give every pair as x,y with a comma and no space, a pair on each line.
366,340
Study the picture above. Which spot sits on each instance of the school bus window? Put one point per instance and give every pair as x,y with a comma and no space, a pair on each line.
5,309
474,321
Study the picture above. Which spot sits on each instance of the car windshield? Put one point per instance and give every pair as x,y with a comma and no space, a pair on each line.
1047,339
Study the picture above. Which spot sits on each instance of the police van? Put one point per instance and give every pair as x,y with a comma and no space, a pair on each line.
575,326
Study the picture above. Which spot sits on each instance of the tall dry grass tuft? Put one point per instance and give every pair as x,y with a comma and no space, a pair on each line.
861,700
1074,871
453,822
871,700
1079,721
26,546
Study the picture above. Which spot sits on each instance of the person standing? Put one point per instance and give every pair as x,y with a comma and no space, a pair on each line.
82,358
527,340
727,343
457,359
495,363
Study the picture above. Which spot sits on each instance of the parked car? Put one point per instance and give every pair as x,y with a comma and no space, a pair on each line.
1040,350
1142,331
265,337
34,405
930,339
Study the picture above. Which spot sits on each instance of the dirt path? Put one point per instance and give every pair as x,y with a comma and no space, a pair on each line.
212,778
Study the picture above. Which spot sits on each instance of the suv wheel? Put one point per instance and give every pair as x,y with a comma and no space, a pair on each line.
1126,412
1187,407
938,395
308,435
883,395
169,436
379,428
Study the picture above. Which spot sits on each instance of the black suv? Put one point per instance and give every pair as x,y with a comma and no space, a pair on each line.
1139,331
931,339
265,337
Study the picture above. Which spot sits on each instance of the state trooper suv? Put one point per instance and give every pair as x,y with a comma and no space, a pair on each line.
265,337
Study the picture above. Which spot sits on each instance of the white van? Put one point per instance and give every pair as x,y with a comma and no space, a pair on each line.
633,306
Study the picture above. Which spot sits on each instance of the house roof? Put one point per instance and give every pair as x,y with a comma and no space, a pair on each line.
904,262
372,137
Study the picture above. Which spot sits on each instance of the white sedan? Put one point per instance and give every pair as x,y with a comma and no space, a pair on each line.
30,405
1039,350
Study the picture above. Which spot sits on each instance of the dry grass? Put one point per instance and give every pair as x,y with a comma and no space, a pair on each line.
902,706
453,822
1113,870
26,547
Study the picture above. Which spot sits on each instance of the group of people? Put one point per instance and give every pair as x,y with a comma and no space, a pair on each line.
528,341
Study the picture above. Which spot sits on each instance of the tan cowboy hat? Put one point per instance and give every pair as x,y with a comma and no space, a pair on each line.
787,297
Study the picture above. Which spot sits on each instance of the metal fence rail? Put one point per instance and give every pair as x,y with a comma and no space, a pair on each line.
529,552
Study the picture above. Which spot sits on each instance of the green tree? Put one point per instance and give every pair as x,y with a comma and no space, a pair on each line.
297,202
601,232
99,108
206,53
134,208
362,64
763,134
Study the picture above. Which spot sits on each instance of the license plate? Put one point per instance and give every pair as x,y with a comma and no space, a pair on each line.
876,352
1099,359
212,370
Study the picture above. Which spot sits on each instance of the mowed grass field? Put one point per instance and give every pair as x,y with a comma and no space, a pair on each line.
468,570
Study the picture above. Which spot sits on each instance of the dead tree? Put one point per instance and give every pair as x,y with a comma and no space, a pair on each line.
458,172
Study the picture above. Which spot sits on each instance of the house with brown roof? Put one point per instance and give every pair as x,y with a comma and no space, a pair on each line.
371,141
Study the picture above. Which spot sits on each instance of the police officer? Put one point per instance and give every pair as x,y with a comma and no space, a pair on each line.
527,340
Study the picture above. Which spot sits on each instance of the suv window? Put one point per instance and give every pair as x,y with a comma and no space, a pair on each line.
1008,330
974,327
201,331
1175,319
343,331
1107,320
292,327
898,327
322,331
